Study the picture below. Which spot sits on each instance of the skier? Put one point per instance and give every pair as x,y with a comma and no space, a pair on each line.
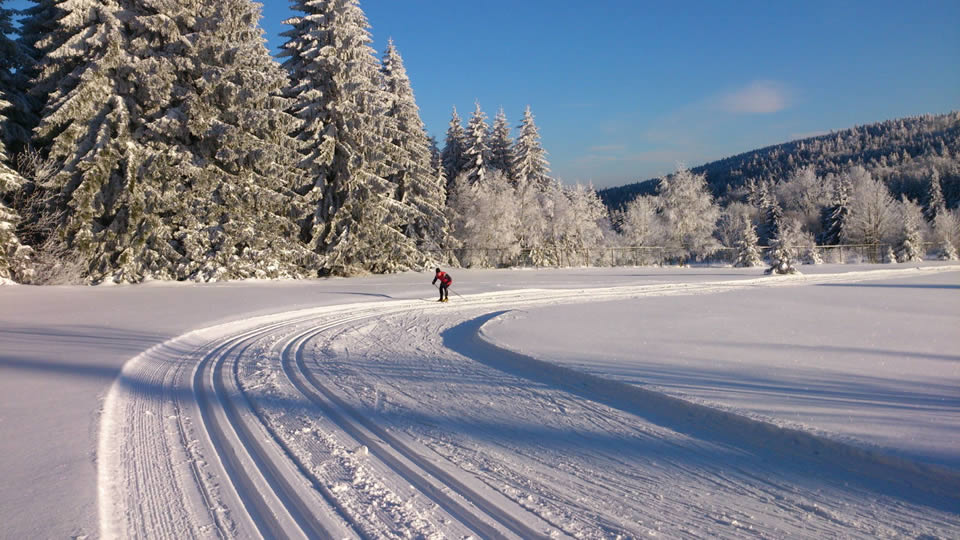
445,281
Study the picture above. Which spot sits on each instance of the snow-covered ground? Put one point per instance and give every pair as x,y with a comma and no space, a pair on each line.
824,405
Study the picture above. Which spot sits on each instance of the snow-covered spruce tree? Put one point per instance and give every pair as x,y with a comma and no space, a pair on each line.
476,151
227,133
748,251
169,168
784,247
871,216
14,256
42,32
357,225
689,213
484,216
87,132
910,246
763,197
452,157
419,185
18,114
835,214
935,203
501,146
530,165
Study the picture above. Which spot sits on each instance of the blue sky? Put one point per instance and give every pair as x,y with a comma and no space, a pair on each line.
623,90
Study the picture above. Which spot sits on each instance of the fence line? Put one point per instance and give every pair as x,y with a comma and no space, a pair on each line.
560,257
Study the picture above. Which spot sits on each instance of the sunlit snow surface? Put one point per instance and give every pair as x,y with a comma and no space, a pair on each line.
370,410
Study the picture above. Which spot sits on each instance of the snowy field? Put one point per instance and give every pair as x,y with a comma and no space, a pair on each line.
534,404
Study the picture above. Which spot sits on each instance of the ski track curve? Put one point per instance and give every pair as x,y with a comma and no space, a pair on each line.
308,424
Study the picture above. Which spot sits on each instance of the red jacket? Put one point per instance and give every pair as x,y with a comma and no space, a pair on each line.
444,278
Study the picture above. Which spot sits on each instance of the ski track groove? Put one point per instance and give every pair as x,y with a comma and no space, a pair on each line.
280,492
379,439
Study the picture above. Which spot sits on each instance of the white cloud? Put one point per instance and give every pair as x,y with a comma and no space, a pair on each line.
760,97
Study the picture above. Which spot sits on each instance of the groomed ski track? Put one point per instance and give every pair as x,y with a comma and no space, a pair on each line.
393,419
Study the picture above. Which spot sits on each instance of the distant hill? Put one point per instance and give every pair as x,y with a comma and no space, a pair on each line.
902,152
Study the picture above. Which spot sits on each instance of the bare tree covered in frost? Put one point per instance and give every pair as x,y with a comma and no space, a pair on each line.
420,187
579,219
530,164
358,222
640,224
476,151
169,168
501,146
484,216
871,217
946,234
803,197
910,245
452,157
689,213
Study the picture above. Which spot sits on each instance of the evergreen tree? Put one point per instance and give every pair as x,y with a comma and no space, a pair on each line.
86,130
748,252
357,225
43,34
166,168
477,149
910,248
530,166
835,215
14,256
936,203
239,167
501,146
784,247
415,172
689,213
18,115
454,148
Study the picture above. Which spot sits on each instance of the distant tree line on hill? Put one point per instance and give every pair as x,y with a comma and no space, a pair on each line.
903,153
